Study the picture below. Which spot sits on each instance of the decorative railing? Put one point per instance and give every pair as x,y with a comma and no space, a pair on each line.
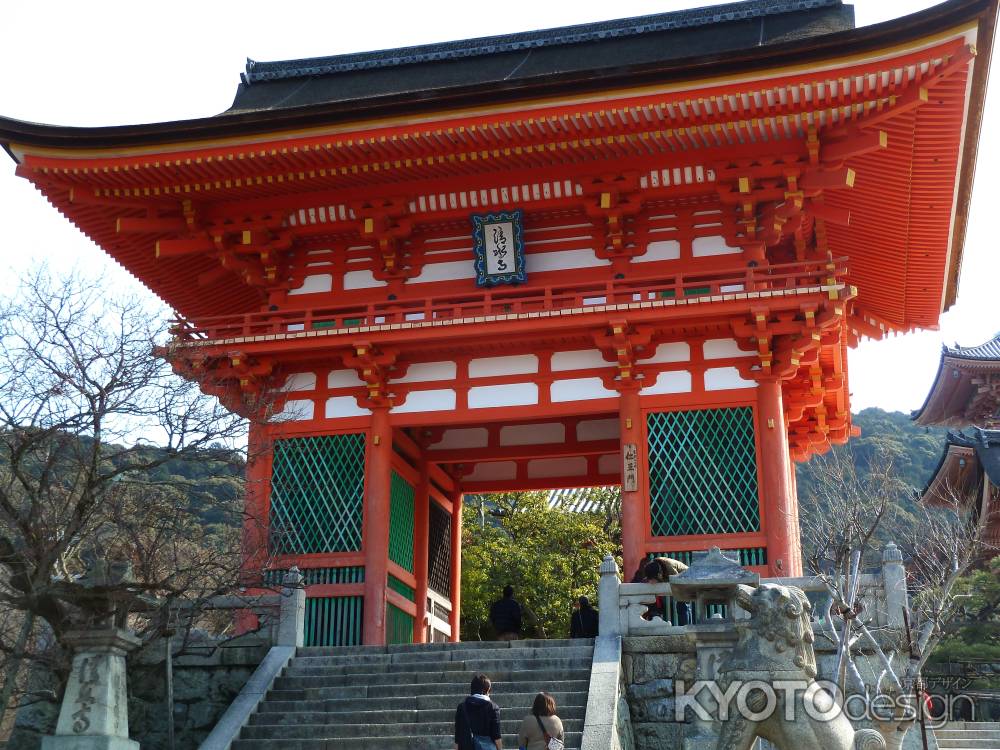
478,304
625,607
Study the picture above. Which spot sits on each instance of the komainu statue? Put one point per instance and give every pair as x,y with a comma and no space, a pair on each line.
775,664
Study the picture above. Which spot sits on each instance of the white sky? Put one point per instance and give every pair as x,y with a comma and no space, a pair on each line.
114,62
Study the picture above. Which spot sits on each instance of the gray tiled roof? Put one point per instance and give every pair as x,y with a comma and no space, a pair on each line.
626,27
989,350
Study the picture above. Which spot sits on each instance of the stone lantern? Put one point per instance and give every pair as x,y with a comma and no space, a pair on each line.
713,579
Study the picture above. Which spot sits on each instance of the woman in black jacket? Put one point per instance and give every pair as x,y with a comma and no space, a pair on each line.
477,718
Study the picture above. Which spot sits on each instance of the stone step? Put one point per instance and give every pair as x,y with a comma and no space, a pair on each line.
414,679
330,730
506,700
975,725
378,717
398,671
969,744
523,684
443,647
437,656
416,742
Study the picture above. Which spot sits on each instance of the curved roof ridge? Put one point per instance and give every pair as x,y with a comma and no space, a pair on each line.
257,71
987,350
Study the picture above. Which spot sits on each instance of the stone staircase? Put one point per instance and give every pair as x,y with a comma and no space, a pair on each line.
404,697
969,735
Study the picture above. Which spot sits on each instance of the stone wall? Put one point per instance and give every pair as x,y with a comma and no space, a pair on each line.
651,665
206,679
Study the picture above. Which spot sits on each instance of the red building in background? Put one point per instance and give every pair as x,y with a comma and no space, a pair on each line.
629,252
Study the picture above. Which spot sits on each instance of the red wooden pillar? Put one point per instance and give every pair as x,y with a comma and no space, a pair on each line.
456,565
634,505
775,481
421,523
376,524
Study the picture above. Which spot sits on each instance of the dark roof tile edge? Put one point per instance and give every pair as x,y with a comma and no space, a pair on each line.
284,69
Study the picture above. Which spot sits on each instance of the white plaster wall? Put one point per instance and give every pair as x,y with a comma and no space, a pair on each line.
511,394
581,359
660,250
456,269
492,471
672,381
295,410
300,381
343,379
533,434
598,429
344,406
362,280
470,437
569,466
580,389
609,464
520,364
436,400
424,372
321,282
724,349
560,260
724,378
672,351
705,246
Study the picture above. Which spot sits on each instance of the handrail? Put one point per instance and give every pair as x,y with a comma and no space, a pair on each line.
514,300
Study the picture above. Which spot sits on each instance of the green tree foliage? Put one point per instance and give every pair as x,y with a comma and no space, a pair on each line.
549,555
975,635
913,451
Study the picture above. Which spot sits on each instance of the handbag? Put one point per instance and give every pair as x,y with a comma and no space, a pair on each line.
479,741
552,743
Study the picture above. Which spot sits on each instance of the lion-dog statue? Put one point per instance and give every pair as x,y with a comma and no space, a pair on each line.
776,645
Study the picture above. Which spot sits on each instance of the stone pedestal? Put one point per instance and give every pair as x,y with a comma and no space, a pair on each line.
94,713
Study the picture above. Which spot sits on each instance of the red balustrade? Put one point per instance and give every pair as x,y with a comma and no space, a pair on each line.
514,300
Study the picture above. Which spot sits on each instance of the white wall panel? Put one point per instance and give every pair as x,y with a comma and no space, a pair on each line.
580,389
520,364
672,381
321,282
436,400
724,378
511,394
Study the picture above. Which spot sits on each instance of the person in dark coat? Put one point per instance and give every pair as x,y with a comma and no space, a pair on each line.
583,622
660,570
505,614
477,718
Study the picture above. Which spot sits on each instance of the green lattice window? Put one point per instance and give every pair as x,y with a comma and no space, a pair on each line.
398,625
334,620
401,522
749,556
317,487
702,472
319,576
401,588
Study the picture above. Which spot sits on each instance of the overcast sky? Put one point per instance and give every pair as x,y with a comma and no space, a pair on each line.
112,63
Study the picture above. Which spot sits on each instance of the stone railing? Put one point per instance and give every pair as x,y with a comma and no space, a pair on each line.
623,606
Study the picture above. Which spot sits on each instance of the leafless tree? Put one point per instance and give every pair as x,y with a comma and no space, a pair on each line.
852,515
92,427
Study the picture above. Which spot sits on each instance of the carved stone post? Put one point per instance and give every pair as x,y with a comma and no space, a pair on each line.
292,617
94,713
894,583
609,620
